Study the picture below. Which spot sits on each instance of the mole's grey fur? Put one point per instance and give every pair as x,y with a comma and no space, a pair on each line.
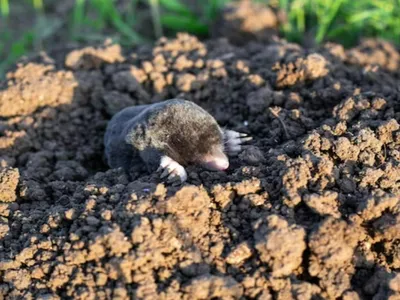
175,128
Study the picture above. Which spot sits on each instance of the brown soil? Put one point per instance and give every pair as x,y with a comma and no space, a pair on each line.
311,210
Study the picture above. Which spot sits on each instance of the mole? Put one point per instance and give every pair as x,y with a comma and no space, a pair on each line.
167,136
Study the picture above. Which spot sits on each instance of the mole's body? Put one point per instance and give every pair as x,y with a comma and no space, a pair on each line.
168,135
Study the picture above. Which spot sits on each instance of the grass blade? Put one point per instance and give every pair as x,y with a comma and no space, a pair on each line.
364,15
212,8
155,14
120,25
38,5
131,12
191,24
326,20
18,48
5,8
175,6
78,16
110,14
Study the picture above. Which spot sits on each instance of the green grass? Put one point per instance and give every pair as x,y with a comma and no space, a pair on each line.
343,21
89,21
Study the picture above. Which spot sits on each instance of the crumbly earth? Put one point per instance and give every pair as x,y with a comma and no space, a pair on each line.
311,210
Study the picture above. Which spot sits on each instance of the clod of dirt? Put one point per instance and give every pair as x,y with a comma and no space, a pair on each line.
385,131
332,246
34,81
279,245
377,203
129,82
239,254
247,186
294,180
375,52
19,278
312,67
325,204
345,150
258,101
208,287
116,101
252,156
387,228
93,58
9,179
245,20
190,205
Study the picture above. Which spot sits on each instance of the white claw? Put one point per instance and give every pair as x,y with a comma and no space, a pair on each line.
165,173
234,140
246,139
173,169
230,134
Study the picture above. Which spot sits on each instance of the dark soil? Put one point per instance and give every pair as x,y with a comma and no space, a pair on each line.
311,210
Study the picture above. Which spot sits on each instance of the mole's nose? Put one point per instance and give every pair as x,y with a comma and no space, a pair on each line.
222,164
217,165
217,162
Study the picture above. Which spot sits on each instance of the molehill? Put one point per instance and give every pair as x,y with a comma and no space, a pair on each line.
311,210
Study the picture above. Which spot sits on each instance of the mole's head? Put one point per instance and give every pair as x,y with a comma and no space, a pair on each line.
192,136
213,158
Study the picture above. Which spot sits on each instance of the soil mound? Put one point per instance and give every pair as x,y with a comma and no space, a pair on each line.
310,210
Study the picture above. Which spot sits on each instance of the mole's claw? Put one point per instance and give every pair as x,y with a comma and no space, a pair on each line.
234,140
173,178
173,169
178,175
164,173
246,139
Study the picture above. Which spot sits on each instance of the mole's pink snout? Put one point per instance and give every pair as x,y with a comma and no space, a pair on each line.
217,161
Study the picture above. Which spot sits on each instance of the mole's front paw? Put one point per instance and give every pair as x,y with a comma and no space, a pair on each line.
173,169
233,141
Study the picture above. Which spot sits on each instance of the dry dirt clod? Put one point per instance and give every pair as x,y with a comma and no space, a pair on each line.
325,204
239,254
279,245
9,179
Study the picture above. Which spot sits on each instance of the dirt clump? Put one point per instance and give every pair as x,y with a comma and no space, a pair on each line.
9,179
33,81
279,245
332,246
325,204
93,58
242,21
303,69
311,209
372,52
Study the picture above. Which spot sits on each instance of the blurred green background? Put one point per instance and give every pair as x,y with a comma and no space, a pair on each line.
29,26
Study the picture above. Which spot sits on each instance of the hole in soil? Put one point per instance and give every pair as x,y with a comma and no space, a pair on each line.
361,277
305,217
